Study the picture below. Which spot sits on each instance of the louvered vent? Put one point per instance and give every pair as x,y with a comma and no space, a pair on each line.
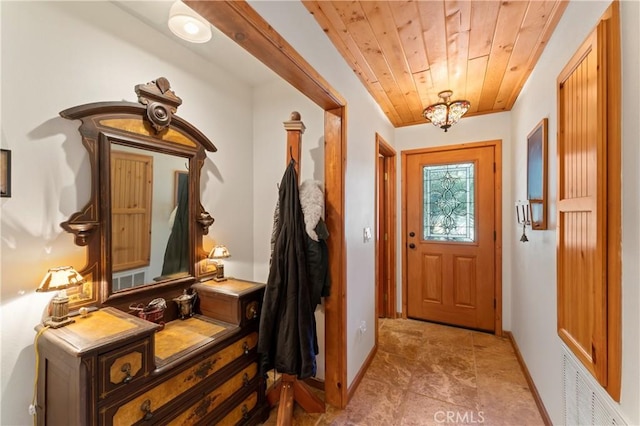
126,281
585,402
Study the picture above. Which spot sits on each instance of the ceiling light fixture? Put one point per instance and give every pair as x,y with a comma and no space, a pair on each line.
187,24
445,114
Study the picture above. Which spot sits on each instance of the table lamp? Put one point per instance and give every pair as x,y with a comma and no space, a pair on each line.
59,279
218,253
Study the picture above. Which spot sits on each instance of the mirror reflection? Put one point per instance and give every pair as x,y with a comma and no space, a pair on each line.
149,217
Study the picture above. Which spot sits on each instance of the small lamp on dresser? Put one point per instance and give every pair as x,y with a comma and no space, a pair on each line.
59,279
218,253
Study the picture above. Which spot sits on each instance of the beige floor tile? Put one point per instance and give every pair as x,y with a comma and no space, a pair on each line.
431,374
419,410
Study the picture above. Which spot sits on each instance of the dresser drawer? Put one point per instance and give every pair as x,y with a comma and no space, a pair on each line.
241,412
233,301
145,405
210,401
123,366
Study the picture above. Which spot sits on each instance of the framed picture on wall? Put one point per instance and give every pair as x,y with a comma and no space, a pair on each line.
5,173
537,175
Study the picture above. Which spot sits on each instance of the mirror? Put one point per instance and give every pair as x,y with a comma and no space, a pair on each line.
149,217
144,223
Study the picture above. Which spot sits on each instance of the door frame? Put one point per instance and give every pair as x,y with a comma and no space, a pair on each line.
389,217
497,161
245,26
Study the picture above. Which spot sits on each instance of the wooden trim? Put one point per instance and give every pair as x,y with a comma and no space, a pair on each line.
497,146
365,366
336,304
497,157
403,206
244,25
611,26
240,22
532,386
384,149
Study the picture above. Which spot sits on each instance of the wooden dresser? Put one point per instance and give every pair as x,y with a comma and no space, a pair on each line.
113,368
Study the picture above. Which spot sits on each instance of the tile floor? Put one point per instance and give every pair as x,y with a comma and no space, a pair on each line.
430,374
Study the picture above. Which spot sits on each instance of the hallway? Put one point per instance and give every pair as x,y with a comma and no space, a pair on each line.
430,374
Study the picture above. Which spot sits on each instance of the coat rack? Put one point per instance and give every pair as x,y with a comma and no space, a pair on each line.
288,389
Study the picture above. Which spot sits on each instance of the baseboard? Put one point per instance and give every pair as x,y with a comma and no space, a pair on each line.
534,391
356,380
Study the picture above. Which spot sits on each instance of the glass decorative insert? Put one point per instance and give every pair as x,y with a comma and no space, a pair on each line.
449,202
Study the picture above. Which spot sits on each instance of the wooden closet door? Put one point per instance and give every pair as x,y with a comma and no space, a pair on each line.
582,313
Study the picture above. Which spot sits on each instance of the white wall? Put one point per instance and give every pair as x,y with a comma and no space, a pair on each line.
533,277
56,55
297,26
272,105
468,130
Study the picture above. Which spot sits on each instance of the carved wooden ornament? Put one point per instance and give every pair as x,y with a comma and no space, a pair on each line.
160,100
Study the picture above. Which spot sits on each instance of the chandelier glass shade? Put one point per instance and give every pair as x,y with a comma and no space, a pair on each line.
445,114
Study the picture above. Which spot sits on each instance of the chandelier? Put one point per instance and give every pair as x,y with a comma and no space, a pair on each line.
445,114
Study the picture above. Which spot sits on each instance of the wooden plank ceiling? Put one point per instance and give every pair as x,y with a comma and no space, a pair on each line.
406,52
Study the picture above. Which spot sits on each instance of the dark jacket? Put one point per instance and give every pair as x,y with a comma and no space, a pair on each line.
287,337
318,264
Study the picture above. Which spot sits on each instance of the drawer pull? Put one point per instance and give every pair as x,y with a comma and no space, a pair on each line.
146,409
126,369
205,368
245,380
245,346
252,310
245,412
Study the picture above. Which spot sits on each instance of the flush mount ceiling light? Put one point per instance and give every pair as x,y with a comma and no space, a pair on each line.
446,113
187,24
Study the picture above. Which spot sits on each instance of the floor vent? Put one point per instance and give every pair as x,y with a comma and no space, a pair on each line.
585,402
125,281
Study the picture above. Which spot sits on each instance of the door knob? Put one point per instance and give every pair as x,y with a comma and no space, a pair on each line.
412,246
412,234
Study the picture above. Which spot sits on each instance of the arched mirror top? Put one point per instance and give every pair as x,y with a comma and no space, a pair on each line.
144,223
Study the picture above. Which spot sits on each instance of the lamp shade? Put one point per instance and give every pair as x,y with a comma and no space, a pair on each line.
219,252
445,114
60,278
187,24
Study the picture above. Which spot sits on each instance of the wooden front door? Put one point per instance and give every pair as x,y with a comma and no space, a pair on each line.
450,211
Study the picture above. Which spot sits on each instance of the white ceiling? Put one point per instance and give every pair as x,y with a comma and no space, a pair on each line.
220,50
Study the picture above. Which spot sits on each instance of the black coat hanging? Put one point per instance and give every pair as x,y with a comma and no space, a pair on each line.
287,337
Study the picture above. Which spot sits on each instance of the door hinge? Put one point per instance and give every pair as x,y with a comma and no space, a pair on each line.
494,167
495,235
385,236
385,297
593,353
386,176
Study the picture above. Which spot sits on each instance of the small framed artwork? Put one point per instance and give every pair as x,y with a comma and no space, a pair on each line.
5,173
537,175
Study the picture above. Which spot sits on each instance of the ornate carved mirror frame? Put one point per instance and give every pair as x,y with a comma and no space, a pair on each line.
150,125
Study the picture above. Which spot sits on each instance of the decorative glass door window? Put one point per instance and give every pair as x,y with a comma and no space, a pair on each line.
449,202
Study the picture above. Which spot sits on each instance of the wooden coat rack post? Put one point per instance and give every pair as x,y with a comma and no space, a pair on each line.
288,389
